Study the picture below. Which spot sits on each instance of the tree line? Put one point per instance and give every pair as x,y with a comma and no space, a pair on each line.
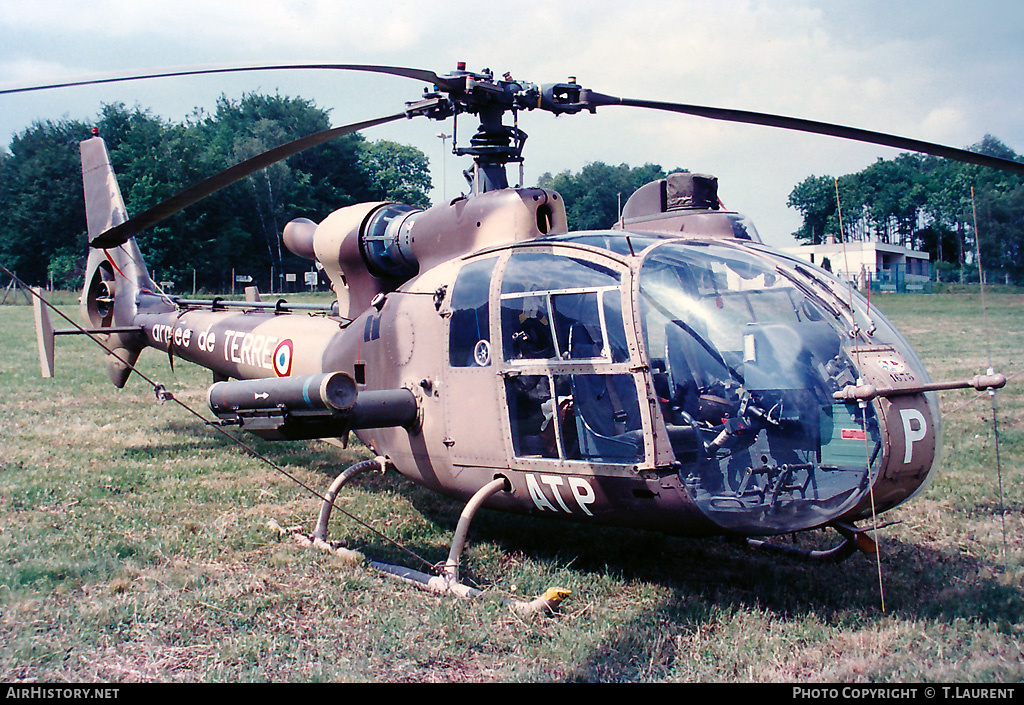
42,210
924,203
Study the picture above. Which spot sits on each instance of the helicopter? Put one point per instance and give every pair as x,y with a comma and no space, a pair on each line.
671,373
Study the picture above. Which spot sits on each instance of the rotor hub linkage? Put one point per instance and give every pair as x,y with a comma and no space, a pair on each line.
494,144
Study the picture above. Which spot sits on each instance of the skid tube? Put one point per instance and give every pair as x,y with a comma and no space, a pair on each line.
446,581
854,539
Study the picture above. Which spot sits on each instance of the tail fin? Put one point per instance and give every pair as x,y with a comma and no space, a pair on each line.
113,276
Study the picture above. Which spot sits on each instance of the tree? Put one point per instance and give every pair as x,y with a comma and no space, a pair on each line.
815,199
153,160
42,210
397,172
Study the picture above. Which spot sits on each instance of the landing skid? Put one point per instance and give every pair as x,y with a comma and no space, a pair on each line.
445,580
854,539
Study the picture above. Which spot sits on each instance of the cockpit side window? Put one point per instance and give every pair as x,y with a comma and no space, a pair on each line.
588,325
469,328
546,271
555,307
526,327
590,417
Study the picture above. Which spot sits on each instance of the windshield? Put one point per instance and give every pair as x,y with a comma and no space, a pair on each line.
745,359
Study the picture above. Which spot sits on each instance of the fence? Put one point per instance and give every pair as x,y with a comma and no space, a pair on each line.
902,279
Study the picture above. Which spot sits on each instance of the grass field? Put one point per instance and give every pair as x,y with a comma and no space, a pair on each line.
134,547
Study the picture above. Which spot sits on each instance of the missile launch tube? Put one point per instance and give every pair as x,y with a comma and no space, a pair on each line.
331,392
382,409
311,406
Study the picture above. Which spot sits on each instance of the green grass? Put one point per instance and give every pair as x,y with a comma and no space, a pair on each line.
134,547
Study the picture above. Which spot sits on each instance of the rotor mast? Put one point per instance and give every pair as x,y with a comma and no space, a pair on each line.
495,144
492,147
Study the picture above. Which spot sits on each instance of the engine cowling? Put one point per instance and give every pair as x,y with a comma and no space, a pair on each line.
372,248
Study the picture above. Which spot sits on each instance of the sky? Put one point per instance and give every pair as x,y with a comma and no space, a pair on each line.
935,70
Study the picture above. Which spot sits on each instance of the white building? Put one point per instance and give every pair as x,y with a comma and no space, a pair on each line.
886,267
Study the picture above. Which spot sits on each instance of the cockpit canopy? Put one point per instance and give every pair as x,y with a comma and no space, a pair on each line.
630,350
746,351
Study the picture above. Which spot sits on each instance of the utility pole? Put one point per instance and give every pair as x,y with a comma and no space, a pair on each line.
444,172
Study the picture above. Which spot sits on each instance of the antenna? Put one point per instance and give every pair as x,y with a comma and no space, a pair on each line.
991,370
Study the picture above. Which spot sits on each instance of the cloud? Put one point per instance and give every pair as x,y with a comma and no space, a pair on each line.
938,70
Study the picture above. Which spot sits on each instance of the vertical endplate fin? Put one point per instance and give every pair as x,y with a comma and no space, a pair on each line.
44,333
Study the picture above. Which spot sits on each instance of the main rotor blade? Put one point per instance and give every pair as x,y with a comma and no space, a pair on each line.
416,74
801,125
120,234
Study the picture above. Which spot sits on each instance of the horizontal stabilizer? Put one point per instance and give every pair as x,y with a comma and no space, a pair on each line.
45,332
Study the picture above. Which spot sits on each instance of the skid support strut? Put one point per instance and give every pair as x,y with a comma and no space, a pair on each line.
353,471
448,580
854,539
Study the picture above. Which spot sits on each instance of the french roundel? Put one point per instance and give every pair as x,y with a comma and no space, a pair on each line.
283,358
